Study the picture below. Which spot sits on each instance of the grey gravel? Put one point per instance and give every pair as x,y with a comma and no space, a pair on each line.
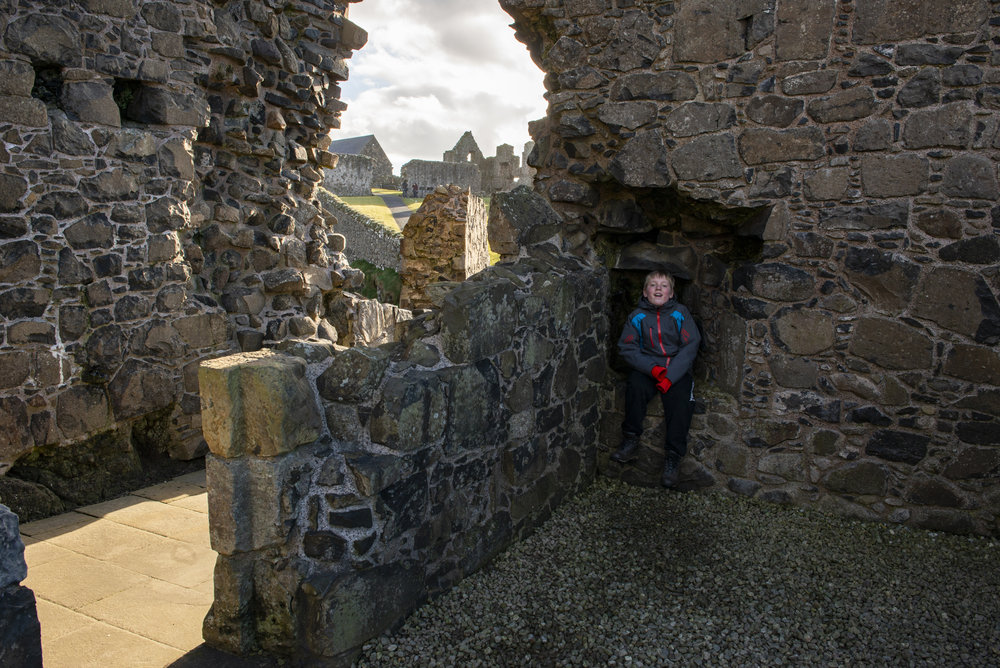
630,576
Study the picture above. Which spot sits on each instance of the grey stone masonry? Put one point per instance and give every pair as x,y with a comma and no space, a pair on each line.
158,177
822,179
346,485
20,634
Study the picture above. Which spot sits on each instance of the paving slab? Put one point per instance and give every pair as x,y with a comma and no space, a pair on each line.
55,524
75,580
159,518
161,611
103,540
100,645
170,560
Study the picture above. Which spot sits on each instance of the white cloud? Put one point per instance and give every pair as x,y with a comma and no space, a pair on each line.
433,69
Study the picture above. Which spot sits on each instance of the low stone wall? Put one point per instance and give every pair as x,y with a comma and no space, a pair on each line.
348,485
20,634
427,175
366,239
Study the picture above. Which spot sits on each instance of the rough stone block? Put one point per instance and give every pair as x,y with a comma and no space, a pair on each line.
803,29
26,111
759,146
708,159
643,162
894,176
891,344
947,126
829,183
257,404
850,105
91,102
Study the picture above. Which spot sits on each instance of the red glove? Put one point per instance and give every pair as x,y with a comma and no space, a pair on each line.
659,372
664,384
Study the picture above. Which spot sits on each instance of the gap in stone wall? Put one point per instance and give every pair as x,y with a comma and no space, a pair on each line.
700,244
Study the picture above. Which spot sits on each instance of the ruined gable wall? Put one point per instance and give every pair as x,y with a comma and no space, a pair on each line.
822,177
157,183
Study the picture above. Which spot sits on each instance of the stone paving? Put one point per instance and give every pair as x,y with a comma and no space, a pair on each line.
126,582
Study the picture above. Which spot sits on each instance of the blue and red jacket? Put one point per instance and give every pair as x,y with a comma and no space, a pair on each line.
664,336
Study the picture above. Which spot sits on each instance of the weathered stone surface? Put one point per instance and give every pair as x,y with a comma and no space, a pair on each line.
15,435
876,217
676,86
759,146
888,20
774,110
20,633
629,115
492,311
887,278
809,83
898,446
23,111
891,344
257,404
693,118
139,388
110,187
643,162
353,375
950,125
894,176
803,332
793,372
971,176
90,102
775,281
874,135
16,78
956,299
940,223
973,363
643,255
160,106
704,17
978,250
850,105
803,30
19,261
826,184
82,410
923,90
864,477
787,465
514,215
708,159
12,189
45,38
973,463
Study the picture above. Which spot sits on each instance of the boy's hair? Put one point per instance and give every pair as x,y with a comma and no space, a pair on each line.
658,273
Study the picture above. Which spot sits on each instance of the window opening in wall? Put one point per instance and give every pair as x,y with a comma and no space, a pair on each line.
125,92
48,85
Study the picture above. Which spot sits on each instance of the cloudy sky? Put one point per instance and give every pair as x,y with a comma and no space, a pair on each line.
433,69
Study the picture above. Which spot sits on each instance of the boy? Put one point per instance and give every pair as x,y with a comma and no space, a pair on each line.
659,341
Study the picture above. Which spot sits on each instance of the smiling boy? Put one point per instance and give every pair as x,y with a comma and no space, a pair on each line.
659,342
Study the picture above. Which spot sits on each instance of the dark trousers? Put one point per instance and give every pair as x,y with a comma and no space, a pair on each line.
677,409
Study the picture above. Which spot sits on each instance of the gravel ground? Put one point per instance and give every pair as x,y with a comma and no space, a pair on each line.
628,576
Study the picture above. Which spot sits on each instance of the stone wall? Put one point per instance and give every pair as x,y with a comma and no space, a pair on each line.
20,633
157,205
445,240
348,485
365,239
427,175
822,178
350,177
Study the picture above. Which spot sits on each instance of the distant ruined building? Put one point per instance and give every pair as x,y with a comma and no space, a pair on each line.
361,164
465,165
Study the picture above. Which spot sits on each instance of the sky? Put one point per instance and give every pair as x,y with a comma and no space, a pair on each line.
433,69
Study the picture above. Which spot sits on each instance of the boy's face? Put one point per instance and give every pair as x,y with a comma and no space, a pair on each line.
658,291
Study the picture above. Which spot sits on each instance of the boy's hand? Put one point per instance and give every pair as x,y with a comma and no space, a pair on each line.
664,385
659,372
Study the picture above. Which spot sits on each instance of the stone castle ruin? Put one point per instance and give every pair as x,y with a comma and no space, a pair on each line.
820,176
361,164
158,207
465,165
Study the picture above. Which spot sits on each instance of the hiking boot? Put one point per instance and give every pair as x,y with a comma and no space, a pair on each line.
628,450
671,471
